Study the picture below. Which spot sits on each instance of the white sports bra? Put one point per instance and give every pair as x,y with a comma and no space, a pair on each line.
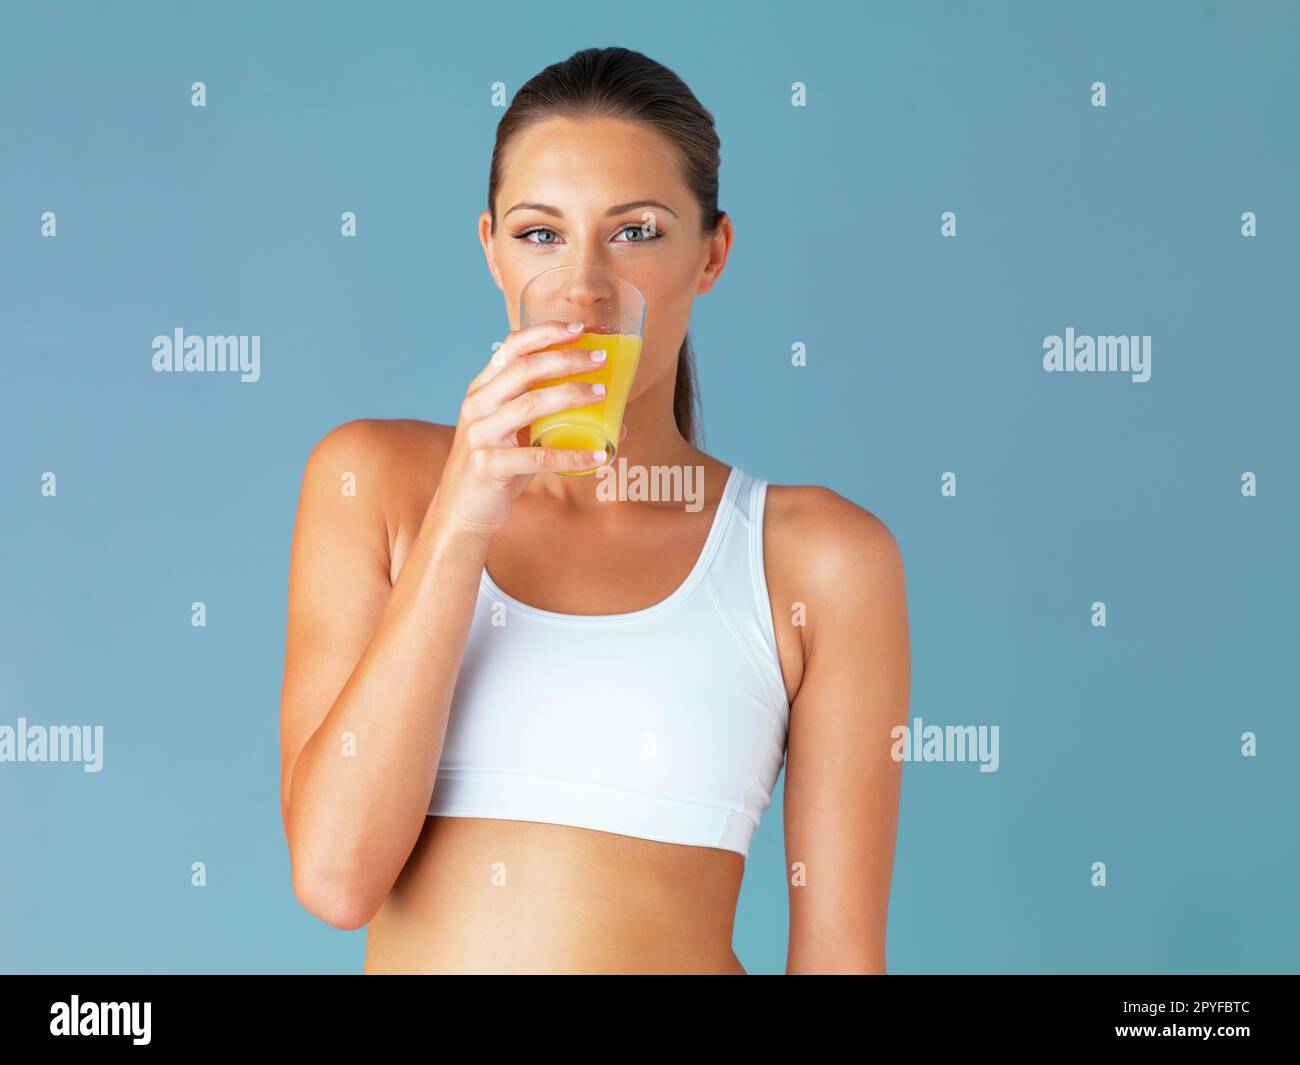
667,723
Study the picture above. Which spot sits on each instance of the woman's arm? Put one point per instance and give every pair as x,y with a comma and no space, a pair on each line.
370,667
841,784
370,663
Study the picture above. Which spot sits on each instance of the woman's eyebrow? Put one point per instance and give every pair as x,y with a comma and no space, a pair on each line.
619,208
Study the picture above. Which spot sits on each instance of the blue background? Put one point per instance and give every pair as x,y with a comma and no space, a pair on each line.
1119,744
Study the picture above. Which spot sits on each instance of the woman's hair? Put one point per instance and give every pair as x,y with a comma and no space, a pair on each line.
620,83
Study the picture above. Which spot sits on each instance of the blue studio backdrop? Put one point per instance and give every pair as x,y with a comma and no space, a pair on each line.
929,200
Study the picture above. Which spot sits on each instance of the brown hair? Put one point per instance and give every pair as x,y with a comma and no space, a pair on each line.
620,83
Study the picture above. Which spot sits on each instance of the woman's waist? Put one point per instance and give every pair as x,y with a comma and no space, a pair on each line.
485,894
542,932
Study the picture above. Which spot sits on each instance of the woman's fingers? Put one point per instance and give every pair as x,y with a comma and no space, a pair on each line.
503,464
527,370
521,342
528,406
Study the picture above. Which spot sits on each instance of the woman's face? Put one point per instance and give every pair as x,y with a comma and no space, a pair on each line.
569,177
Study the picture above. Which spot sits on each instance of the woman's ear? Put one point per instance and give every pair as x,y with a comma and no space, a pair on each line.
489,251
719,249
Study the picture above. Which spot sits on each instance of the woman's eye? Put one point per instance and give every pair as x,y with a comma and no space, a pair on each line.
529,232
643,234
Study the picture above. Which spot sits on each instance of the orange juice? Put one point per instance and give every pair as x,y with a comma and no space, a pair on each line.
596,425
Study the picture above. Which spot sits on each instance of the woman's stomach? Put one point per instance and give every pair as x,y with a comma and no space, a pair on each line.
482,895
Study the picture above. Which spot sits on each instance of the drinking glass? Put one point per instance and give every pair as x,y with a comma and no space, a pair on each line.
612,311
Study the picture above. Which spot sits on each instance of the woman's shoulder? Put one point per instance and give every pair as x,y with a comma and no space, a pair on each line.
385,438
820,541
393,463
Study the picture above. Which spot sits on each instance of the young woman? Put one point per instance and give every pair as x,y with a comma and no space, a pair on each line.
528,729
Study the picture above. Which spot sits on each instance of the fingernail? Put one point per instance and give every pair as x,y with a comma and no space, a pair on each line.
599,456
598,355
598,389
575,327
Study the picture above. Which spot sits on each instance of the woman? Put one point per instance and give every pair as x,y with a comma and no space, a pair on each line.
525,729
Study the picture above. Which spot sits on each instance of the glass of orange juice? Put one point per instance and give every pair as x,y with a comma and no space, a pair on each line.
612,311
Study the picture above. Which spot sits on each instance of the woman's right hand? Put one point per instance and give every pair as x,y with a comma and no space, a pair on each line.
488,466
